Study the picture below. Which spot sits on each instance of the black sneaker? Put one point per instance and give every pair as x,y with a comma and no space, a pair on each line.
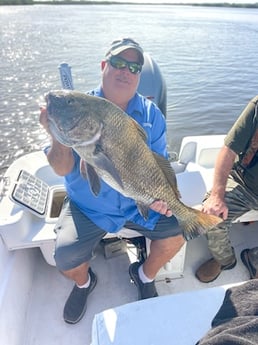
76,304
147,290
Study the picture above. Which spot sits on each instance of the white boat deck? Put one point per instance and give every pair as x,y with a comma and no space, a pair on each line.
44,324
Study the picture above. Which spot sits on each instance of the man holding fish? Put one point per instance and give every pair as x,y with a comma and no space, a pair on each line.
109,212
105,178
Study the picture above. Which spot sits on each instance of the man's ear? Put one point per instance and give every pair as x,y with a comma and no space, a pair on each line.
103,64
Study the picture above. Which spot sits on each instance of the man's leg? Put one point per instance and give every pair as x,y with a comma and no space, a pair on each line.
220,246
78,274
239,201
76,240
166,241
223,255
76,304
161,251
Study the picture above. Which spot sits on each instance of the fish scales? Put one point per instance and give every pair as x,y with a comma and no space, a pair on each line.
113,146
140,164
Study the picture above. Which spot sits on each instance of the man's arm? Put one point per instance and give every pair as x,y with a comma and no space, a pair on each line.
60,157
215,204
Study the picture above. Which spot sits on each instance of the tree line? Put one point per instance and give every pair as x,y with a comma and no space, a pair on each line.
16,2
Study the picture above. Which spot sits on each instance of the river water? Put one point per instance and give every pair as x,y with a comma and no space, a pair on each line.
207,55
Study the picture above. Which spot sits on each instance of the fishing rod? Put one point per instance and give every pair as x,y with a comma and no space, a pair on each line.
66,76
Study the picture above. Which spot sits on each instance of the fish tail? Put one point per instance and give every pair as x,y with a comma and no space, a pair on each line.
198,223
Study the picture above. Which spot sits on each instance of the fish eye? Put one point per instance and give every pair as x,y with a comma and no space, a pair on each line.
70,101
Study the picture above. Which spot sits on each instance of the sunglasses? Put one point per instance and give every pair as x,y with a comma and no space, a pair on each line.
120,63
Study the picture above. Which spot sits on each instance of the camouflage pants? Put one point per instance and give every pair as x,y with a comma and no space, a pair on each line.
239,200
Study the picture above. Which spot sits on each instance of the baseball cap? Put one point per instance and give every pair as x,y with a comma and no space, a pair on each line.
119,45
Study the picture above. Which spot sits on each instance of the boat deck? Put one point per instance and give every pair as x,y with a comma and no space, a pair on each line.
51,289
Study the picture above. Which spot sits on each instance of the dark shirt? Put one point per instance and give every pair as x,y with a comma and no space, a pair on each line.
238,140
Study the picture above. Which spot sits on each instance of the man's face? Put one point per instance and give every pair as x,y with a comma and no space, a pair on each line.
120,85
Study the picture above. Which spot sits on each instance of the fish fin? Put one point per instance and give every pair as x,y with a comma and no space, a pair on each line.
103,162
83,169
197,223
143,210
140,130
168,171
89,173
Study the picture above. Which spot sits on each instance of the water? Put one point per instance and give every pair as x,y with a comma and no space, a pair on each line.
208,57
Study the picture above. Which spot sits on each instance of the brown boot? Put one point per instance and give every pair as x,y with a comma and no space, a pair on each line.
211,269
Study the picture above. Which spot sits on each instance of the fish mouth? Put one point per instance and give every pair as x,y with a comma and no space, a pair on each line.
69,126
65,136
60,134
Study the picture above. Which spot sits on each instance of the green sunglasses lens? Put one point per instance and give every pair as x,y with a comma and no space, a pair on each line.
120,63
134,67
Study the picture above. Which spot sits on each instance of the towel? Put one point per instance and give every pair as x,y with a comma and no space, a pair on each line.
236,322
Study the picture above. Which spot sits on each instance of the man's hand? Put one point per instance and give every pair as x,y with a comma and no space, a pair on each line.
43,119
216,206
59,156
161,207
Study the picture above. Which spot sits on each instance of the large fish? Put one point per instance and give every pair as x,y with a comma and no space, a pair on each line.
112,146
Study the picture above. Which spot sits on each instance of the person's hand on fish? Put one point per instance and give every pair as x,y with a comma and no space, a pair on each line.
215,205
43,119
161,207
60,156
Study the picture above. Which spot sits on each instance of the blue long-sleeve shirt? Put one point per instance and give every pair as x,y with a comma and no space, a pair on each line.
110,210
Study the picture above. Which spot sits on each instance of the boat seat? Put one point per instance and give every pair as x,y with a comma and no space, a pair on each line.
182,318
250,216
198,180
201,149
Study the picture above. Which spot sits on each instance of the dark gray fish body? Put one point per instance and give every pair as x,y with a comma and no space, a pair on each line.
113,147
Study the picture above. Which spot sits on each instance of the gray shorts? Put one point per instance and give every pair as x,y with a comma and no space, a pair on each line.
78,236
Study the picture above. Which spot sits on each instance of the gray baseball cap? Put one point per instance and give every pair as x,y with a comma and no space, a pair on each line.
120,45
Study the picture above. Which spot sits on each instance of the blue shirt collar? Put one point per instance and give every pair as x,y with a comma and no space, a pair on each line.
134,107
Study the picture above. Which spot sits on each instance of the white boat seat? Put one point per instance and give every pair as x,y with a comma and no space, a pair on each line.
183,317
250,216
202,149
198,180
123,233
